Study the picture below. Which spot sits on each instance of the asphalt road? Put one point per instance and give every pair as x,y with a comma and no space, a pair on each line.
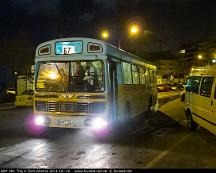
153,140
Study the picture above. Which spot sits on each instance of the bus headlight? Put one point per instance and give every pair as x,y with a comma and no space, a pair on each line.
39,121
99,123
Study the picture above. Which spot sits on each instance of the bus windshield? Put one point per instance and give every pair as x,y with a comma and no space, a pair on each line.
70,76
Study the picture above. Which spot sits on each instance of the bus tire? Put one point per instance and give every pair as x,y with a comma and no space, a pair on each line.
190,122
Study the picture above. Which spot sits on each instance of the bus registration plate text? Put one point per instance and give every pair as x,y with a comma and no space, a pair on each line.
65,122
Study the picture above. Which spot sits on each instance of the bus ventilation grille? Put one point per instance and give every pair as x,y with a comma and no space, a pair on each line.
72,107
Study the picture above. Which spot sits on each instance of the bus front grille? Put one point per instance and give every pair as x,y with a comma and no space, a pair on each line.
70,107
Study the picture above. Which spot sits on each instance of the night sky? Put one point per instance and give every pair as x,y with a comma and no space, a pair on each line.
172,21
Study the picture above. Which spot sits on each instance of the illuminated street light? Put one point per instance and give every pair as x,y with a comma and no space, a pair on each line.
105,34
200,56
134,29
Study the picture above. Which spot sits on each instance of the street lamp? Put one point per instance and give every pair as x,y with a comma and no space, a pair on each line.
105,34
133,30
199,56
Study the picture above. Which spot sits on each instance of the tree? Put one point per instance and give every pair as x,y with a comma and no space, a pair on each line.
17,54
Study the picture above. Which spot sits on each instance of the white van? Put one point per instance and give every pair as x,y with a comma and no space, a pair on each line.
200,98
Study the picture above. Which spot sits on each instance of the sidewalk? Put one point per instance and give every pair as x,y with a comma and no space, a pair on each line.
162,95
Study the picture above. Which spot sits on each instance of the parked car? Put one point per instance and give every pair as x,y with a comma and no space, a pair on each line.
163,88
25,99
8,95
174,87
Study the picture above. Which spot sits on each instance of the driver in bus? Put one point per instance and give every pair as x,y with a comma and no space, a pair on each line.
77,80
90,77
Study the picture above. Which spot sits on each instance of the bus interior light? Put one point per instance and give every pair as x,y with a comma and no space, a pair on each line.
52,76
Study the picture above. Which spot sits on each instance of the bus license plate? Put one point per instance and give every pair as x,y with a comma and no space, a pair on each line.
65,122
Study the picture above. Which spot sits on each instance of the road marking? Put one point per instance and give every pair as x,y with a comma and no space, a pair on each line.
165,152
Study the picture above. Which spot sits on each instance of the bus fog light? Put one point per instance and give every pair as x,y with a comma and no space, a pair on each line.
99,123
39,121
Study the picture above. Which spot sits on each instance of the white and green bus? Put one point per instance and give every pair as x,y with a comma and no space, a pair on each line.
121,86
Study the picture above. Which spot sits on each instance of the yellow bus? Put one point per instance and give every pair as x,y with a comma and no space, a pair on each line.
87,83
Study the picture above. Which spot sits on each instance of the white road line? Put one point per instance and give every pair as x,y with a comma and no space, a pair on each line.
165,152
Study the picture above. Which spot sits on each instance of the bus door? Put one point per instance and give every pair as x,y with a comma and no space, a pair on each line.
113,66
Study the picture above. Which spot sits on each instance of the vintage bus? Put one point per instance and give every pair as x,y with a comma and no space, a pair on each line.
118,85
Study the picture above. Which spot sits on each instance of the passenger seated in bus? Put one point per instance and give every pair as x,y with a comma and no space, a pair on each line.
77,81
91,77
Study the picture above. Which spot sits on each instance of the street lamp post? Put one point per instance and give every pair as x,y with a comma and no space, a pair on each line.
134,29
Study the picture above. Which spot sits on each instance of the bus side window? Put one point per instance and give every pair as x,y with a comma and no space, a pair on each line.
147,75
127,73
119,73
142,75
135,74
206,86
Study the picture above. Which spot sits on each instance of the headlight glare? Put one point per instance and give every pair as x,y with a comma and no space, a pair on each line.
99,123
39,121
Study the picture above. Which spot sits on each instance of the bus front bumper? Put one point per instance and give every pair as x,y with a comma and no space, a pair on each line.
93,122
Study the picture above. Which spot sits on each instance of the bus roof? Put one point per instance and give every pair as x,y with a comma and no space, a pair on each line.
106,49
